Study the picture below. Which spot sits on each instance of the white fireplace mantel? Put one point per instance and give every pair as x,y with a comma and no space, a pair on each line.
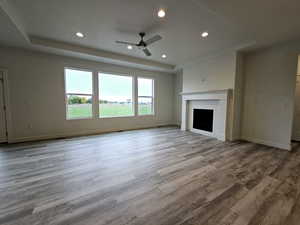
222,98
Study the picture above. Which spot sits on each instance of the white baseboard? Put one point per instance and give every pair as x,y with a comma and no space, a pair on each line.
177,123
80,133
296,136
2,140
284,146
235,138
221,138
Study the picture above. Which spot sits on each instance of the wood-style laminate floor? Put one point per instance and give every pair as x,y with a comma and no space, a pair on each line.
148,177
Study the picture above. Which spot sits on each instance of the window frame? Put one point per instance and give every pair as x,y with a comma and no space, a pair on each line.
153,96
132,95
66,94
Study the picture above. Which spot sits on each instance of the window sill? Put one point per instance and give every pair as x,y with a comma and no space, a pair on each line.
80,118
146,115
113,117
110,117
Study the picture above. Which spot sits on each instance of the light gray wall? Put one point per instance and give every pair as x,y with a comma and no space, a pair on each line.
212,73
269,87
219,72
177,96
36,83
238,97
296,120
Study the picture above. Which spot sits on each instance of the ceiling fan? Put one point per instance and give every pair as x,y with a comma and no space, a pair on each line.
143,44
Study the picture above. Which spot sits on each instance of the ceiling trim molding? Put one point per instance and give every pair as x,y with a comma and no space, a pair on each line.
49,43
13,16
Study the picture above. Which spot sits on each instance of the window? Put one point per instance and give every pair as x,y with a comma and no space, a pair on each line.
145,96
79,94
115,95
118,95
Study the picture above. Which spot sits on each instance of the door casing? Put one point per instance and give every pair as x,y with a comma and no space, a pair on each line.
7,111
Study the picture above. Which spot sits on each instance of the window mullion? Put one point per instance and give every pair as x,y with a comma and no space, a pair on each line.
96,95
136,97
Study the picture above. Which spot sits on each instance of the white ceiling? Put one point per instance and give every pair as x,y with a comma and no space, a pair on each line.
265,21
230,23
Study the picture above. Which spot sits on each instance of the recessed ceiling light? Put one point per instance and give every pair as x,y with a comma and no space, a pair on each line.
161,13
204,34
129,47
79,34
164,56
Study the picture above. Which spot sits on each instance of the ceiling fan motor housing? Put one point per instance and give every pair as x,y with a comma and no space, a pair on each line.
142,43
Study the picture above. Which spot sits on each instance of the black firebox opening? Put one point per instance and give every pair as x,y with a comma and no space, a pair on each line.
203,119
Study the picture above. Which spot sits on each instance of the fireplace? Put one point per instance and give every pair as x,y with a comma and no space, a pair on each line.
203,119
206,113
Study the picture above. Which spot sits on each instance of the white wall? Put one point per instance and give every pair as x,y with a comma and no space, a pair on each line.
213,73
36,83
269,87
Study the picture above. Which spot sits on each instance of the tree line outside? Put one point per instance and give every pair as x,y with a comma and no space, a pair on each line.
75,99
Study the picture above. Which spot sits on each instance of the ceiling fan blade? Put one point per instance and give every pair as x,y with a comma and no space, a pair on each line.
146,51
153,39
125,43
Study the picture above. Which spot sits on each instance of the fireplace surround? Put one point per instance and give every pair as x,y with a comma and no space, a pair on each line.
216,101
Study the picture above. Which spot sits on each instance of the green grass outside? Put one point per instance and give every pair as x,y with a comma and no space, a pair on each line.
106,110
79,111
109,110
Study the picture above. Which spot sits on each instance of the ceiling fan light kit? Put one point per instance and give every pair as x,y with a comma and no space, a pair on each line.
161,13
